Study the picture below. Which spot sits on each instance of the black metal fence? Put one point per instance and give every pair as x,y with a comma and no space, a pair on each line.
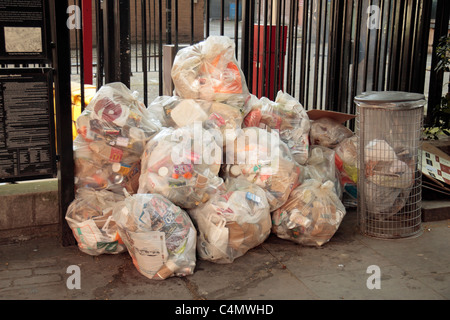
323,52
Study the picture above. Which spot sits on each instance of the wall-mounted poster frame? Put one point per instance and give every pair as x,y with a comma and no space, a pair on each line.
24,31
27,124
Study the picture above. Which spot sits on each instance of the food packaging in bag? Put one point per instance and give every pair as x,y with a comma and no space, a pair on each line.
181,164
113,131
90,218
261,157
287,116
209,71
177,112
159,235
311,215
235,220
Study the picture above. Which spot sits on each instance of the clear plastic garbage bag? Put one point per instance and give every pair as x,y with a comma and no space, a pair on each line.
160,236
235,220
311,216
209,71
261,157
287,116
182,165
90,218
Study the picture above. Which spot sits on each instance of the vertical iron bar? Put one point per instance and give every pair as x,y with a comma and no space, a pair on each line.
63,115
144,48
316,62
124,41
207,17
308,57
264,65
192,22
236,27
302,84
376,69
325,14
386,45
160,67
290,49
99,37
366,56
176,25
257,64
294,75
168,21
83,104
222,17
277,60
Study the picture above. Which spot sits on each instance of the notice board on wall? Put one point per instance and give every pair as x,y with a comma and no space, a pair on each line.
24,30
27,127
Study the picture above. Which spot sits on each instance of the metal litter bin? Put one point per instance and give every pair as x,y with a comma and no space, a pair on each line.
388,128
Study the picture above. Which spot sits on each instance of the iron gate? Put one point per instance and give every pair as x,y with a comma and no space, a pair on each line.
323,52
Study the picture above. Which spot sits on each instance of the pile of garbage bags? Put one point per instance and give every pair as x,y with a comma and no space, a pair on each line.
208,173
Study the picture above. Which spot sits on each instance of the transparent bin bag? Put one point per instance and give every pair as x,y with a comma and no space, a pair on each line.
390,177
311,216
328,132
287,116
233,221
209,71
90,218
160,236
321,166
93,171
182,165
177,112
117,125
259,156
347,166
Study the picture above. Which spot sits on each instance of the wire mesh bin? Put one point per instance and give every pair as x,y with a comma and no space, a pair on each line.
388,128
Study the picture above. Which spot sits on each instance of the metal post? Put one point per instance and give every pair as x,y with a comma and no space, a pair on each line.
61,59
125,42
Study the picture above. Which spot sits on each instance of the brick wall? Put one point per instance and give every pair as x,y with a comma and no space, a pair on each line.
184,22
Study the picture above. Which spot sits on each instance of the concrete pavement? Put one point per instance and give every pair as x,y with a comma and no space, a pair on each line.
410,269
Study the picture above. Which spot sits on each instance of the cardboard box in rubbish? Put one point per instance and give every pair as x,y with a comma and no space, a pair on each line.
436,165
338,116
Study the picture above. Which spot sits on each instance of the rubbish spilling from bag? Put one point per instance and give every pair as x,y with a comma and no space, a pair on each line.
210,172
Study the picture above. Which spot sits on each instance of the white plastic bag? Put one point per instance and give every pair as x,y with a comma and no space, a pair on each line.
159,236
311,215
90,217
234,220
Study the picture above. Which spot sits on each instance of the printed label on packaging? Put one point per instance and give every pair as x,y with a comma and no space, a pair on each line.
115,155
253,197
150,251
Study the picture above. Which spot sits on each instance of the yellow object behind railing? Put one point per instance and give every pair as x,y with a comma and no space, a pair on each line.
89,92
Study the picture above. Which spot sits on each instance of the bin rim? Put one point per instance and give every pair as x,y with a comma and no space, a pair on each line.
390,99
